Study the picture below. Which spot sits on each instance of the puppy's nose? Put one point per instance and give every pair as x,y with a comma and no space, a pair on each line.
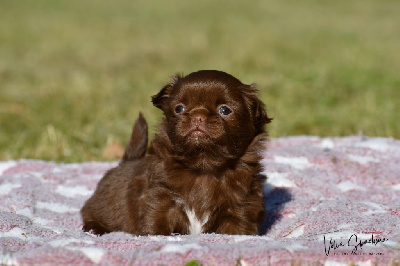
199,119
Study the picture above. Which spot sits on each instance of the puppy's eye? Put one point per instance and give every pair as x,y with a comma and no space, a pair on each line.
224,110
179,108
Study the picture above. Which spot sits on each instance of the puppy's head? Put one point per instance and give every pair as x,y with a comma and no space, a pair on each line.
211,116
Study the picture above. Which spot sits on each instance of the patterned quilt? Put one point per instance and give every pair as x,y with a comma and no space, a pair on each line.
330,201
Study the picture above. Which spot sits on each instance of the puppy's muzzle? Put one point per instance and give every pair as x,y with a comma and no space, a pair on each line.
198,128
199,121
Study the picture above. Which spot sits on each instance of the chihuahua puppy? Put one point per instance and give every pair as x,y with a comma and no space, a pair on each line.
201,172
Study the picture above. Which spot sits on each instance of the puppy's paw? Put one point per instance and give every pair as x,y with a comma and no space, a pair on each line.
95,228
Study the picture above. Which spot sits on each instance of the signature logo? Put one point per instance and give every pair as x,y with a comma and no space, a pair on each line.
354,242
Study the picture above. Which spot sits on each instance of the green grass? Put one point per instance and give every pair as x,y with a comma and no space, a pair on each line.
74,74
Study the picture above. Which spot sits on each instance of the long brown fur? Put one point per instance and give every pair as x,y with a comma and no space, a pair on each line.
200,173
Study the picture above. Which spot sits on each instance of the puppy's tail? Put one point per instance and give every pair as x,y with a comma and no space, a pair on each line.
137,145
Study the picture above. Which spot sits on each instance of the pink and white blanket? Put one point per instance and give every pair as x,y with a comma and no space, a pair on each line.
330,201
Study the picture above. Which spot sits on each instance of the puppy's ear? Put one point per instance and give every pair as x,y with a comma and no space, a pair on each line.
158,100
260,116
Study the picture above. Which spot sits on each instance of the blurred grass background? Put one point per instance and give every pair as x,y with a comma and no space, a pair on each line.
74,74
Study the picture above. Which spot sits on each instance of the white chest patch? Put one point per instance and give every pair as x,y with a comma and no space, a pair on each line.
196,225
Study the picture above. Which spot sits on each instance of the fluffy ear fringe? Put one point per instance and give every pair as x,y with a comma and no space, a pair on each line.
257,107
261,116
253,89
164,93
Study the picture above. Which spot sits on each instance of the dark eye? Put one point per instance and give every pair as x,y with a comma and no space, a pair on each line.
179,108
224,110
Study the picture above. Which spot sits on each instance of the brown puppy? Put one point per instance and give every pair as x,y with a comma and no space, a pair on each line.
201,171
